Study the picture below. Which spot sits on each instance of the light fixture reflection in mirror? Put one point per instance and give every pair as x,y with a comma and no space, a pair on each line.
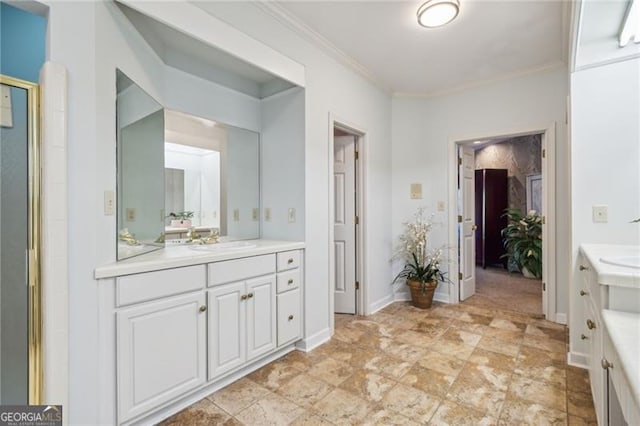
211,174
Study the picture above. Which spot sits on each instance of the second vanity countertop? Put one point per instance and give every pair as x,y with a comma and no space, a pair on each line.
609,274
187,255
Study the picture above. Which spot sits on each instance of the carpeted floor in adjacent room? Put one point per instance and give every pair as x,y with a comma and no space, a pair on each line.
498,289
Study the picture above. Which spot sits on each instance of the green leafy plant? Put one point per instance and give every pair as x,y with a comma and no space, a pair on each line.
421,264
181,215
523,241
635,221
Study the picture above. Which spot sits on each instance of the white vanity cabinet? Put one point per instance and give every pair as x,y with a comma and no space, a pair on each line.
242,318
161,337
176,327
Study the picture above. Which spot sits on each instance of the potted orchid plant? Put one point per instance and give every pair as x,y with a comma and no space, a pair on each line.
422,265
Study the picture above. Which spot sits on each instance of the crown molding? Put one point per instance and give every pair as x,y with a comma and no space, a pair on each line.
552,66
292,22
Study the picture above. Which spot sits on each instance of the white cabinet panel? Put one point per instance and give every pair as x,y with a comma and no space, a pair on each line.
261,316
161,352
288,260
288,280
289,317
154,285
241,269
227,328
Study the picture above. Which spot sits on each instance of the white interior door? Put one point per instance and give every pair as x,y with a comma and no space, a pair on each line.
466,227
344,241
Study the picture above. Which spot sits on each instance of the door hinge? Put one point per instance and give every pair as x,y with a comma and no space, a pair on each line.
357,220
544,286
357,155
459,219
357,285
460,276
459,161
544,220
544,153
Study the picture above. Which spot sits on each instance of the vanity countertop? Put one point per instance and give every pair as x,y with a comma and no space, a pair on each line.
187,255
609,274
624,330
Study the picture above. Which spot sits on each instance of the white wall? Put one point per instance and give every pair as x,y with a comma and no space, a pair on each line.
605,163
282,164
423,129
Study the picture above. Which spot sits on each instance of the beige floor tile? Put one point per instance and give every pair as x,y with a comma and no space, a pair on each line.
302,360
458,350
542,365
580,404
544,343
577,421
471,327
387,366
410,402
450,413
492,359
499,345
429,381
416,338
238,395
347,334
456,335
473,318
270,410
545,331
512,336
404,351
305,390
540,392
443,363
202,413
368,385
342,407
432,327
517,412
578,379
380,416
273,376
331,371
507,324
481,387
310,419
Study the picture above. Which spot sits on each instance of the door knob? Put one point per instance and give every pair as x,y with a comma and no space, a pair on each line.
474,227
605,364
590,324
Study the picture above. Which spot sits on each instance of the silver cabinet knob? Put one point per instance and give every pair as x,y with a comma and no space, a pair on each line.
250,295
605,364
583,268
583,337
290,261
203,308
583,293
590,324
290,317
290,281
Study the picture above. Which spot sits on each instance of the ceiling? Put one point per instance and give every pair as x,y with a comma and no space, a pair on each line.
490,40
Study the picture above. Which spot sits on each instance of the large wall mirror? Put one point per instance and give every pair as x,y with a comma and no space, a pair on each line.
177,171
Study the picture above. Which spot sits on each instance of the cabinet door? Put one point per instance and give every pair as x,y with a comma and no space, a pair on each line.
261,316
597,376
227,328
289,318
161,352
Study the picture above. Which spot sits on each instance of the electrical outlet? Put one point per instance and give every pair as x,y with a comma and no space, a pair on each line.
440,206
416,191
236,215
255,215
292,215
267,214
109,202
131,215
600,214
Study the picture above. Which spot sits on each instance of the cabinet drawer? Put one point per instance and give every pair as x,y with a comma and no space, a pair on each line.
288,280
154,285
288,260
289,317
241,269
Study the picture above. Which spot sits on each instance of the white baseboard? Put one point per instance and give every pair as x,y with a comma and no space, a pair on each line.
380,304
561,318
577,359
314,341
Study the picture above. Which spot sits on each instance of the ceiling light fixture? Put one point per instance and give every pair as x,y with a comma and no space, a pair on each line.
436,13
631,25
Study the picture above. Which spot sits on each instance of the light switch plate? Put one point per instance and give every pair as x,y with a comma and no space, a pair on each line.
236,215
131,215
440,206
292,215
416,191
109,202
267,214
600,214
255,214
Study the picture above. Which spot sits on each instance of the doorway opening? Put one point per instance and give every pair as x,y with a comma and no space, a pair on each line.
511,172
346,219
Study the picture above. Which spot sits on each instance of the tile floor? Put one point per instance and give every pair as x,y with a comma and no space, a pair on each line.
449,365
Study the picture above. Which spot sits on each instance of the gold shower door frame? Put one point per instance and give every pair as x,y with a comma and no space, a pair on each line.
34,232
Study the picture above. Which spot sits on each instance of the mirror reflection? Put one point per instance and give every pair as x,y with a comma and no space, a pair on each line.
211,177
140,157
180,175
